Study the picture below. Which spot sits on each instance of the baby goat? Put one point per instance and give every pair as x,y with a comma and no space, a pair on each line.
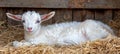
69,33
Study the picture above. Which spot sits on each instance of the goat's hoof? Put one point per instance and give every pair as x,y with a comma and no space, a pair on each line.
17,44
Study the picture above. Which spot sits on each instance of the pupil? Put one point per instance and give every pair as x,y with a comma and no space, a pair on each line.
37,21
23,21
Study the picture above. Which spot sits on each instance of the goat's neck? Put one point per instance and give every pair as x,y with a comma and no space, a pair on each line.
29,35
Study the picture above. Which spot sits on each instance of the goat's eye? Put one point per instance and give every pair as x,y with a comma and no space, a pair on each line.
37,21
23,21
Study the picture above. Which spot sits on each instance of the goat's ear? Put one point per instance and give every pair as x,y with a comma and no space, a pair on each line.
14,17
47,16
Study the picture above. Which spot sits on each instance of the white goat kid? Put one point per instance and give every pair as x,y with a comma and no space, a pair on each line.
69,33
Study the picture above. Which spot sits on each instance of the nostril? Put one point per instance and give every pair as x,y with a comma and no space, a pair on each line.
30,28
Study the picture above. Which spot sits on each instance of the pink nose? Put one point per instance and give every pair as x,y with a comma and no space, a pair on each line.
29,28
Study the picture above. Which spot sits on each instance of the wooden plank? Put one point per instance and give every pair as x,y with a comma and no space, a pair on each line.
97,4
34,3
89,14
116,22
62,15
116,14
89,4
2,14
104,15
108,16
80,15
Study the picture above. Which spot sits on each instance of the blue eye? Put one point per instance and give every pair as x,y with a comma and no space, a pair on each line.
37,21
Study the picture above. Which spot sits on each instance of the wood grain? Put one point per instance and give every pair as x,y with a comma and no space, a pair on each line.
116,14
2,14
81,15
62,15
104,15
88,4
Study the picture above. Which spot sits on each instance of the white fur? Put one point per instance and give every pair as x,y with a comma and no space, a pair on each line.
68,33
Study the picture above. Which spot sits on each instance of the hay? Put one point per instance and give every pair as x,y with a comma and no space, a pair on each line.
110,45
115,24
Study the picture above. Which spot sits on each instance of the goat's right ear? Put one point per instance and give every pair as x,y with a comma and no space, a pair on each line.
47,16
14,17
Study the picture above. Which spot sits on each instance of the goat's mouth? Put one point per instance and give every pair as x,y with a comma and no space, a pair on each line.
29,30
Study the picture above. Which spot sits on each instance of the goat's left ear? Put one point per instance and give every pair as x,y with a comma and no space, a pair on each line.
47,16
14,17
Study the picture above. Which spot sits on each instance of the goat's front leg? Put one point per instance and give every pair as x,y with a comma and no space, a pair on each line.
21,43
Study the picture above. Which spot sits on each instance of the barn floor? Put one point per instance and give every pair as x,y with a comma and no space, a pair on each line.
110,45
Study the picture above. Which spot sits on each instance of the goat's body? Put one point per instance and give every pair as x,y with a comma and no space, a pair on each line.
70,33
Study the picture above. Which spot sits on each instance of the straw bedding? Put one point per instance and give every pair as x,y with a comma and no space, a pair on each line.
110,45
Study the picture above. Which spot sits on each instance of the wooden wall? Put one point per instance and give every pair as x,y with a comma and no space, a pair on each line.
66,10
62,15
89,4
